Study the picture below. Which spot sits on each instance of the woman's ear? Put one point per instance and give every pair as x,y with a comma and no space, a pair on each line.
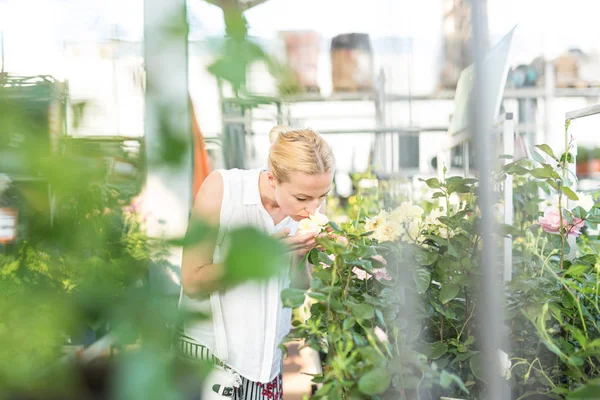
271,179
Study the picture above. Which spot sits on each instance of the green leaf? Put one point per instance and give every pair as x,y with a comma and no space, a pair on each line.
433,183
446,379
362,264
537,157
335,226
324,258
570,194
514,169
459,180
541,173
579,212
426,257
292,297
348,323
422,278
448,292
313,257
253,255
317,296
547,149
476,364
374,382
363,311
576,270
589,391
359,339
569,157
433,351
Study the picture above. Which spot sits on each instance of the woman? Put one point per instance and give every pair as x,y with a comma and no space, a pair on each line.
248,321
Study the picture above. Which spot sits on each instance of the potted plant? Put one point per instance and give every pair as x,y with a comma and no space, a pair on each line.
588,161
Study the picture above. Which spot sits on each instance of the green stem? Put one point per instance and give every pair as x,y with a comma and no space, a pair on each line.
333,275
466,323
597,267
347,286
562,232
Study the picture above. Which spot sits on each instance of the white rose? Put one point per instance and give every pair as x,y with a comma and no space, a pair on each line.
402,212
380,334
504,363
412,231
319,219
373,223
308,226
432,218
444,232
388,232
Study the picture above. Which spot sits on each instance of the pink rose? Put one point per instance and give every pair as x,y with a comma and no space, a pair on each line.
574,228
361,274
550,222
342,240
382,273
379,259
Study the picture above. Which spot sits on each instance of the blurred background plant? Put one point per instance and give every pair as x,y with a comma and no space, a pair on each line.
75,271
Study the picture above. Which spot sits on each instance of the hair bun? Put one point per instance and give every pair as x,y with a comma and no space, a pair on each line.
278,130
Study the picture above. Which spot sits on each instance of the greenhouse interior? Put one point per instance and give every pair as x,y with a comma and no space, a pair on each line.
389,199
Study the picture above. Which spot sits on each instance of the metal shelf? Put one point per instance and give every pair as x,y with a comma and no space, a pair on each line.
524,93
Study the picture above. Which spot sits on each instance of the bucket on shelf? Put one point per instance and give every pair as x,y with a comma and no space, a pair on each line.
352,63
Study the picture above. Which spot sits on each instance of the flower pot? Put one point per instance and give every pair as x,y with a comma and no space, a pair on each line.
302,51
588,167
352,63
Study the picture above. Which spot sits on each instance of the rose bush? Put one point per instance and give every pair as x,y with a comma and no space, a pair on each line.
427,262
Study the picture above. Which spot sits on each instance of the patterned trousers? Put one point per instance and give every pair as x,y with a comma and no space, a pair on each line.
224,383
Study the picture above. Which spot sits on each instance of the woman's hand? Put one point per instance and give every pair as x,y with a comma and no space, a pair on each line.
301,244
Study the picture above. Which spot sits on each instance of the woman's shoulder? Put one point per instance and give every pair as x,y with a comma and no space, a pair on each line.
219,184
236,173
208,200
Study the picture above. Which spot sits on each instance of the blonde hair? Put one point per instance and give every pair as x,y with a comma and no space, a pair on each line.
301,150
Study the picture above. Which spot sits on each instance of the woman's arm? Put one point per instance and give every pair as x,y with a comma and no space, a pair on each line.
199,276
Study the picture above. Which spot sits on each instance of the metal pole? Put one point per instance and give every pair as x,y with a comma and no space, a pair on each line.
549,91
490,312
167,193
466,158
509,149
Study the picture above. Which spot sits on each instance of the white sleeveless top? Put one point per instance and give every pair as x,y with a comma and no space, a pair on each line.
248,321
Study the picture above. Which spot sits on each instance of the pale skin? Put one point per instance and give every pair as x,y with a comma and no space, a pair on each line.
297,198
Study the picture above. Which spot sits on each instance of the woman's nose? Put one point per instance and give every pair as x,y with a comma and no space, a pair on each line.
313,206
